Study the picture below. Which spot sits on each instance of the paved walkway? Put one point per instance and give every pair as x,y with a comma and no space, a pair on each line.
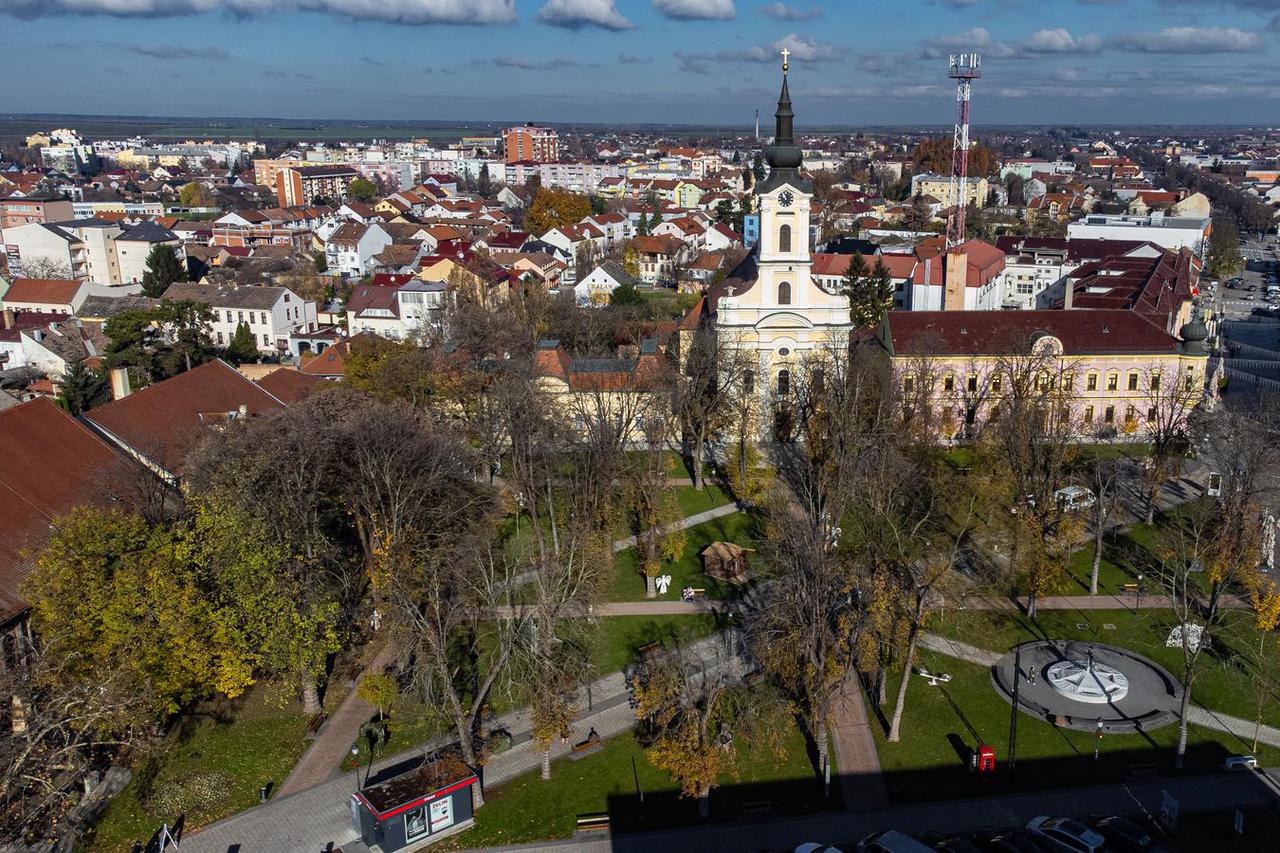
332,743
318,818
1241,730
855,750
685,523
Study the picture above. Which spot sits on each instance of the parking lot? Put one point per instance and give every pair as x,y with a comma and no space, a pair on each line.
1262,266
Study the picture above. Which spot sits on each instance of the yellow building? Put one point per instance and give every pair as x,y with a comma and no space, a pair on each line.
976,190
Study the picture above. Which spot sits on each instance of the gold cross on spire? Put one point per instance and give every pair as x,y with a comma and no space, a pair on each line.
785,54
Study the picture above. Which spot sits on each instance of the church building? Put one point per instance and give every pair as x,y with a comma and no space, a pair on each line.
771,304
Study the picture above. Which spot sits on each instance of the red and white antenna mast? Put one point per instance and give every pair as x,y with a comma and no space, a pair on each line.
964,68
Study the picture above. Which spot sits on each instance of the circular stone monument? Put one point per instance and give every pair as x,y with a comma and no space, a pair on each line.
1085,686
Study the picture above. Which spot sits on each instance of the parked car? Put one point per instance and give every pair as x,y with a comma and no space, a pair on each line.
1072,498
1124,834
1018,841
957,845
815,847
1066,835
891,841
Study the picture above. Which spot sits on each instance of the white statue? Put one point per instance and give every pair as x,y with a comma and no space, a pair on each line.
662,582
1196,637
1268,540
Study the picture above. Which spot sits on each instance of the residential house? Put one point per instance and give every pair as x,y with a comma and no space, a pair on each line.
658,257
56,295
397,311
596,287
271,313
352,247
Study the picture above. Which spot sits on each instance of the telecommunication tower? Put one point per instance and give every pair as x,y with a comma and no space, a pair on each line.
964,69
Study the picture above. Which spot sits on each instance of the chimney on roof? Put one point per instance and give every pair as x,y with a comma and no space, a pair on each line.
1068,295
8,318
120,383
244,411
955,281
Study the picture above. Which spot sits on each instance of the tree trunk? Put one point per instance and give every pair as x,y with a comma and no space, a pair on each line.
1031,605
546,763
1097,555
698,452
310,694
895,724
704,803
882,682
650,588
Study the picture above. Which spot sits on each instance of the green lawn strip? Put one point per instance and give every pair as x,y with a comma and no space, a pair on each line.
941,722
1225,681
628,582
693,501
618,638
208,770
527,809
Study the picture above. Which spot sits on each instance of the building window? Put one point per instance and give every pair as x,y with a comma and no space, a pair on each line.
1133,381
948,383
995,383
1155,382
973,382
1130,415
784,293
1110,415
908,384
219,338
784,383
1113,381
1088,414
1091,383
1191,381
240,316
266,340
749,382
819,378
784,238
1151,414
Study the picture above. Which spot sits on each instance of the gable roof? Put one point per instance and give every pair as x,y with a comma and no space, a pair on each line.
162,423
49,291
977,333
289,386
64,465
252,296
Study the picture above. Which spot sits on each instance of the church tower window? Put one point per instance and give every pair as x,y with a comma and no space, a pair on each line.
784,292
784,238
784,383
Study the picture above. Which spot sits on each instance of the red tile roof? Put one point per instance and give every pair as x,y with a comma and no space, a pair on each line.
164,422
289,385
55,463
49,291
976,333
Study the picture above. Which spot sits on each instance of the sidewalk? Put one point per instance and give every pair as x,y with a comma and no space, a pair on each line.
318,818
854,747
333,742
685,523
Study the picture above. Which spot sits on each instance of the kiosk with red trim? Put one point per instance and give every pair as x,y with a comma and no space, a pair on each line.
415,808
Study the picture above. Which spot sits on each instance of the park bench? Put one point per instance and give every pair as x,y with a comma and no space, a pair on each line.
648,649
1131,587
314,724
595,822
583,748
694,594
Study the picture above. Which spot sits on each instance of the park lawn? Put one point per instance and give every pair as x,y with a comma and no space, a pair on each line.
693,501
527,809
628,582
1226,671
619,638
941,723
208,770
1112,576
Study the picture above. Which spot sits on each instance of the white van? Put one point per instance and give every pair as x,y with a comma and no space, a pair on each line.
1073,498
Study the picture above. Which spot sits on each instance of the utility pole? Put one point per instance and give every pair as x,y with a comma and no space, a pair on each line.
964,69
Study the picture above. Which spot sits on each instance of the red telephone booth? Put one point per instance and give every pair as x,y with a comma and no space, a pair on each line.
986,759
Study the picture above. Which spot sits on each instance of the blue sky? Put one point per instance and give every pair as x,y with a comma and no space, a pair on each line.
684,61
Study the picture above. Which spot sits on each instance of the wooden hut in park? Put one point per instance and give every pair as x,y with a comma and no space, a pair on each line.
725,561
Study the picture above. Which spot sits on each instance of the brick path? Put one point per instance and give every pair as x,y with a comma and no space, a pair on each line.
320,763
855,750
685,523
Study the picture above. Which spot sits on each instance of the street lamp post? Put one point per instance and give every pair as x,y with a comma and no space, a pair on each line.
355,756
1137,595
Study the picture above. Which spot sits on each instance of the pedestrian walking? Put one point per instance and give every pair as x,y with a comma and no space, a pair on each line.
1031,675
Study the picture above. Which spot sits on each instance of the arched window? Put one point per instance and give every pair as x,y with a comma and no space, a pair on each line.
784,238
784,293
748,382
784,383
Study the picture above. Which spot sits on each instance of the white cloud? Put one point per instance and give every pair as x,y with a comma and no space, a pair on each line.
803,49
396,11
576,14
1059,40
975,38
697,10
1191,40
783,12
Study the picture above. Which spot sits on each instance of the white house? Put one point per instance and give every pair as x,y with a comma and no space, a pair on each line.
272,313
396,311
351,248
596,287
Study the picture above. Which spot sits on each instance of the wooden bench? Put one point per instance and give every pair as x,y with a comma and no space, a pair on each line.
583,748
1131,587
314,724
596,822
695,594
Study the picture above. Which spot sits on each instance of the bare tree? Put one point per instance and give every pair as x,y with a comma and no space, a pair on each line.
1170,400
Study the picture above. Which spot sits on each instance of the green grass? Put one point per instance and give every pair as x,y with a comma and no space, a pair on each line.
628,582
941,722
1226,679
527,809
618,638
693,501
208,769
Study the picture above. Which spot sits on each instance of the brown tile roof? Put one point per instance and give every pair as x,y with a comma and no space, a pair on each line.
50,291
165,421
647,244
975,333
63,464
289,385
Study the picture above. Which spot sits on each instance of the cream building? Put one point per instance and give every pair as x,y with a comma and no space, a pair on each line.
771,303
